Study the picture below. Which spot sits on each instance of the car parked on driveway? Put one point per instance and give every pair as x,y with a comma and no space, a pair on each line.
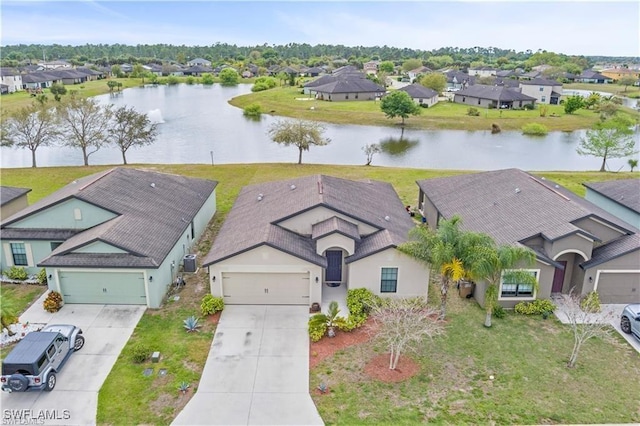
630,320
38,357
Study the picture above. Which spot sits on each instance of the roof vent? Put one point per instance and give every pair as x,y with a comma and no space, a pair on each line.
543,178
153,185
260,197
292,187
387,218
517,190
557,186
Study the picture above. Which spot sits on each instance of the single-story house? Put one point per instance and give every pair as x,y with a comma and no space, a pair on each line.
114,237
199,62
197,70
577,244
621,198
91,73
154,69
53,65
545,91
480,95
295,241
4,89
12,200
483,71
11,78
349,89
590,76
39,80
421,95
371,67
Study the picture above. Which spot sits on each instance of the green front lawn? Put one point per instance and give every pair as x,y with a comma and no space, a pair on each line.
127,397
23,296
527,357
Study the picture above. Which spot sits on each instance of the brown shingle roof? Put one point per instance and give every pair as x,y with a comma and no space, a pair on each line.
259,209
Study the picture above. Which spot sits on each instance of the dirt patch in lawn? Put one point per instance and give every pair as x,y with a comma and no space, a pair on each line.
327,346
378,368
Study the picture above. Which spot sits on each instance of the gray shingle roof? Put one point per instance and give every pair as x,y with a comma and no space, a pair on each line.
354,85
10,193
335,224
419,91
494,93
38,234
256,215
511,205
619,247
540,82
153,210
624,191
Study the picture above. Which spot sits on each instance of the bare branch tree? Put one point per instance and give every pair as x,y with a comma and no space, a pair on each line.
370,150
403,323
584,325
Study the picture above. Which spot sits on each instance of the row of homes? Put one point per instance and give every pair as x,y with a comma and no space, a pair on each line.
123,236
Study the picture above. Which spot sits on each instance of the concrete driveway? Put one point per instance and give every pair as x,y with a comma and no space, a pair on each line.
611,312
257,372
74,401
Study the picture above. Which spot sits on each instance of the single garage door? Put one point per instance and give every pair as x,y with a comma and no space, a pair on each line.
619,287
242,288
116,288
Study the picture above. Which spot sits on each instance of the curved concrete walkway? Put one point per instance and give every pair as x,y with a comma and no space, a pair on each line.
257,372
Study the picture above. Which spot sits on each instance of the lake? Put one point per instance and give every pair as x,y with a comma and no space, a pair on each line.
197,125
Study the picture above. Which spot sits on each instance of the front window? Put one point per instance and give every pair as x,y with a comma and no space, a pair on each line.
543,99
19,253
514,287
542,89
389,280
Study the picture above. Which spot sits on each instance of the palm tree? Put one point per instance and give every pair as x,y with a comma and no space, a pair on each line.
448,249
633,163
494,264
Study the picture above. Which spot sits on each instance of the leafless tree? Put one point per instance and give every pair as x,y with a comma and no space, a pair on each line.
584,325
404,323
370,150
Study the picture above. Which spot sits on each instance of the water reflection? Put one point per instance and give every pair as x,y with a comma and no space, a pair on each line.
398,146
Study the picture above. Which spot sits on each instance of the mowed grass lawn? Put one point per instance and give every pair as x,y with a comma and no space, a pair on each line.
128,397
290,102
527,357
23,296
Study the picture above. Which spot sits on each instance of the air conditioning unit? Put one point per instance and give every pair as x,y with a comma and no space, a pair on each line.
189,263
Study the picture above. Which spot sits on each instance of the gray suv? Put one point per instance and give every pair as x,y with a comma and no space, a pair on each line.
630,320
35,360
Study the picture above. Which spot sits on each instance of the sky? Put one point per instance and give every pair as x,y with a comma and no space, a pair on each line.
609,28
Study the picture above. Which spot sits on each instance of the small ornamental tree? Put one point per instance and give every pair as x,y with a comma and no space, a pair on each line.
611,139
403,324
301,134
229,77
370,150
573,103
399,104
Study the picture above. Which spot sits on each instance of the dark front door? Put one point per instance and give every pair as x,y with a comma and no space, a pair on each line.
333,273
558,278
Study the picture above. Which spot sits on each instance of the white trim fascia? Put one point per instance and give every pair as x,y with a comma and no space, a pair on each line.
591,240
584,256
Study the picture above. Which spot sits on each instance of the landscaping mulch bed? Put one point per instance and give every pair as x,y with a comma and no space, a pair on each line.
378,368
327,346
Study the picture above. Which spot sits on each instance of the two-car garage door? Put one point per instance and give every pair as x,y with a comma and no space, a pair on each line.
125,288
243,288
619,287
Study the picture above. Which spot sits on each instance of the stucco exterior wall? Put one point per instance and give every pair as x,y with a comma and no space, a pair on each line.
428,210
335,240
35,250
570,244
266,259
472,101
302,223
614,208
624,265
13,207
413,276
603,231
362,96
71,214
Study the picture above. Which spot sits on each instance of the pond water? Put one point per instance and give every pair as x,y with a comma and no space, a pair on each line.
197,125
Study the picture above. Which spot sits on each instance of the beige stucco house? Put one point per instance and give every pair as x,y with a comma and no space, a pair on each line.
577,244
296,241
13,200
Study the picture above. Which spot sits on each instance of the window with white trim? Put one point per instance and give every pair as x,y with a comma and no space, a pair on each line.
389,280
511,287
19,253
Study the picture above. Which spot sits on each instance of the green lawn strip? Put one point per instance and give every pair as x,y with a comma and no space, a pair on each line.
532,384
128,397
23,295
444,115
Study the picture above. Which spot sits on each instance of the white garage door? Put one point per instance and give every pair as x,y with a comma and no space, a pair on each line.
619,287
242,288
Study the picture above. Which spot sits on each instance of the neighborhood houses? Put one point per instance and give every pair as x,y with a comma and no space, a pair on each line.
338,293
